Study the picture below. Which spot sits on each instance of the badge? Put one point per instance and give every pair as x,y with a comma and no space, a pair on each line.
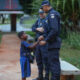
46,21
52,16
40,24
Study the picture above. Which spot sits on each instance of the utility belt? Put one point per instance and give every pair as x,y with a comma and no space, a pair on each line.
53,49
37,36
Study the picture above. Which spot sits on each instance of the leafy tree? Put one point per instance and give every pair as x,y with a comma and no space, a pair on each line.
26,4
36,5
69,10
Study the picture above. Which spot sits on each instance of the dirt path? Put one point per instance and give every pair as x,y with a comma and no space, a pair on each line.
9,59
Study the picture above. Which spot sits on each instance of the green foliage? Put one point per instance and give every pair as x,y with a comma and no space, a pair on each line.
70,55
73,40
31,33
19,16
26,4
0,36
70,50
30,21
36,5
69,10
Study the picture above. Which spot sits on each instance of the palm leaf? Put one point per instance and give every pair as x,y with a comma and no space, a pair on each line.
64,4
73,1
79,4
57,4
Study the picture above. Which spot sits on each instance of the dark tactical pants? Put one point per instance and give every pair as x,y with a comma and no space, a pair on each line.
42,60
54,63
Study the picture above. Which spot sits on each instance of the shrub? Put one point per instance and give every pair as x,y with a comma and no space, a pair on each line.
73,39
31,33
0,36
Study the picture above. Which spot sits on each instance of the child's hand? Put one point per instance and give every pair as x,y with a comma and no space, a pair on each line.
42,43
40,38
34,45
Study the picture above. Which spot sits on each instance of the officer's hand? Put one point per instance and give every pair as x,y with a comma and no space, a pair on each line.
41,29
41,38
42,43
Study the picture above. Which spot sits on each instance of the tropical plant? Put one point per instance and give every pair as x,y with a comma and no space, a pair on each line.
69,10
26,5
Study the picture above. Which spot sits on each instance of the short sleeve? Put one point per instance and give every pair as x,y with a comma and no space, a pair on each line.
26,44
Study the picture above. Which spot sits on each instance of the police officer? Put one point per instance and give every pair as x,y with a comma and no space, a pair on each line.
52,39
41,51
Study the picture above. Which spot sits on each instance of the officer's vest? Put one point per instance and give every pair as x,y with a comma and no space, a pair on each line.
40,23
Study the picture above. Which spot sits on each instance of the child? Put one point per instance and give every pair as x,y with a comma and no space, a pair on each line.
24,50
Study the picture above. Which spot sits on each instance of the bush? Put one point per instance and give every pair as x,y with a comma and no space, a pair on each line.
0,36
73,39
31,33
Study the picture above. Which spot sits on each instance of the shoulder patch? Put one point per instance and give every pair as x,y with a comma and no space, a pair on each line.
52,17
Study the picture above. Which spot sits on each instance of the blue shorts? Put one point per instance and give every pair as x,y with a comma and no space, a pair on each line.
25,67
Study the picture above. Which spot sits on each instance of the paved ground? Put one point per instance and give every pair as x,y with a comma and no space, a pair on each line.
9,59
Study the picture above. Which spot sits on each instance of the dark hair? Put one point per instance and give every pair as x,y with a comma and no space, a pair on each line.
20,34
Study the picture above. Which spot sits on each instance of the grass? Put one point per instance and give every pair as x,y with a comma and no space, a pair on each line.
70,55
0,36
73,39
2,24
70,50
31,33
29,22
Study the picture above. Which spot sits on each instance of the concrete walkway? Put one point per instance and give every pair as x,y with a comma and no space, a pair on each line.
9,59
